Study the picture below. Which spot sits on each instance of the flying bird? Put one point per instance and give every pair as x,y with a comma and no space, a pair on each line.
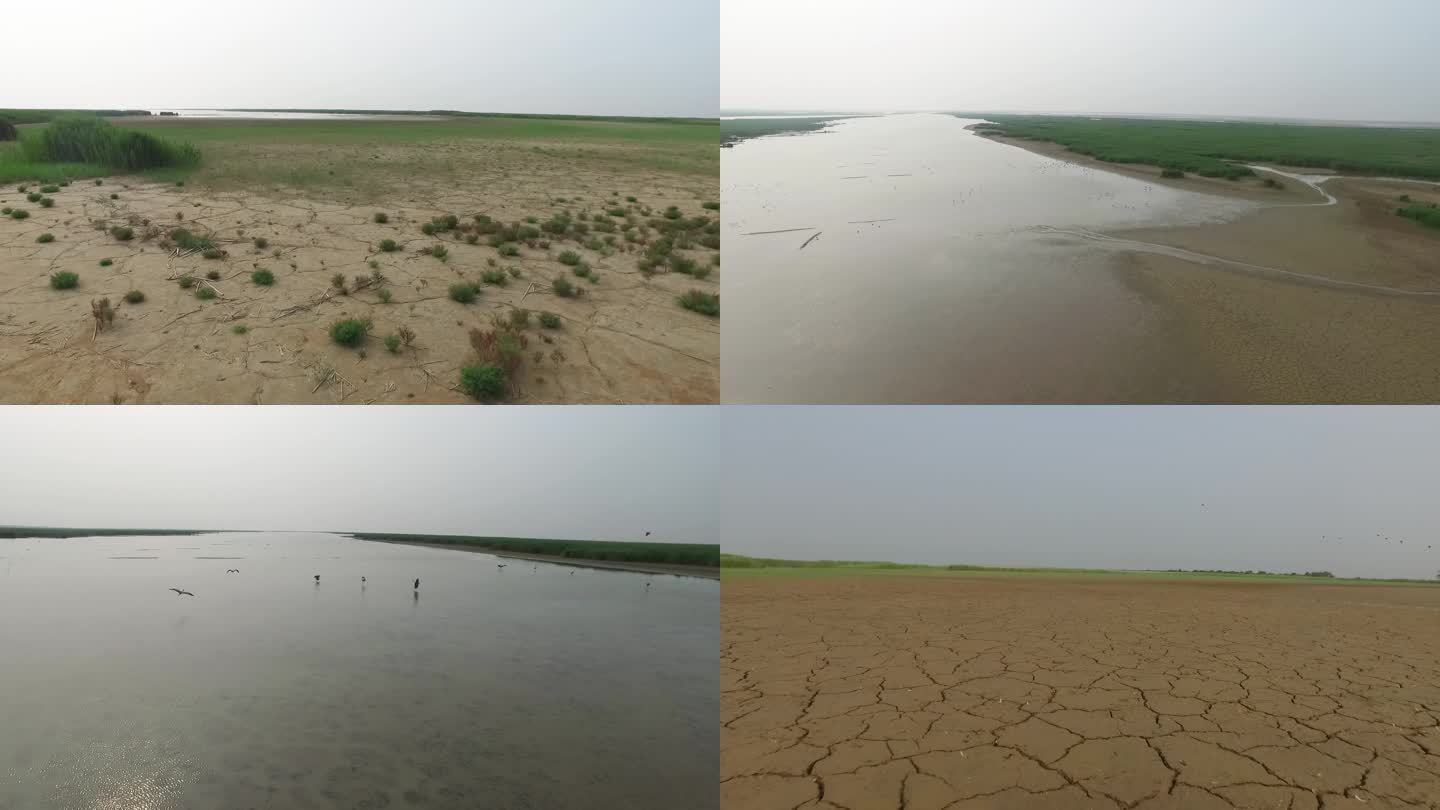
179,592
500,566
647,534
232,570
317,579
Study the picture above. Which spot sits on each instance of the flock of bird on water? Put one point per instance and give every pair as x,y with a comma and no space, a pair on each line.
179,592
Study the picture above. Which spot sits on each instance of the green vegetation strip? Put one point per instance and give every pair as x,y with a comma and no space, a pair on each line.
734,566
668,553
734,130
11,532
1205,148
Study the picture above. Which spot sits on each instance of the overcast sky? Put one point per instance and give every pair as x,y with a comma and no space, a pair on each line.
619,57
1329,59
576,472
1143,487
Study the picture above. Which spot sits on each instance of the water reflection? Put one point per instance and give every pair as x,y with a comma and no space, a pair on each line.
929,280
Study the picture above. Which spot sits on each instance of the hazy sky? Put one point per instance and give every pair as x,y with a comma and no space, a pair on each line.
566,471
1334,59
619,57
1143,487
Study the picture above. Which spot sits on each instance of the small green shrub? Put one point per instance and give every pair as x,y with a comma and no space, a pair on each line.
106,262
64,280
338,281
440,252
46,202
701,302
392,342
464,292
388,245
483,381
509,249
19,213
381,217
49,189
673,213
114,196
239,329
563,287
185,240
122,233
34,196
134,297
213,275
213,253
570,258
428,229
204,293
384,295
711,206
549,320
630,199
185,282
519,318
263,277
261,242
495,277
349,332
45,237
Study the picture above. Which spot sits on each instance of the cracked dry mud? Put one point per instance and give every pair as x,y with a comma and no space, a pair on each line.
923,693
625,340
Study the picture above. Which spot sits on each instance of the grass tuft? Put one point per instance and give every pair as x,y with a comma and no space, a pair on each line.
64,280
349,332
701,302
464,292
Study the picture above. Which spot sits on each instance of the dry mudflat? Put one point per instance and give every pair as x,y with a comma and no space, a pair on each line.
1293,336
963,693
623,339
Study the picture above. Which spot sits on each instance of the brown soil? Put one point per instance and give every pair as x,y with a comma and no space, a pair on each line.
1262,340
922,693
625,341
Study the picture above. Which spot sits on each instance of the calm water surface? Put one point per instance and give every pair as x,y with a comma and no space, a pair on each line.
932,279
532,686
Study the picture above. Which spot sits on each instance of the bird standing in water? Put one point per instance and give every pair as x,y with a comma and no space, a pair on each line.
417,583
317,579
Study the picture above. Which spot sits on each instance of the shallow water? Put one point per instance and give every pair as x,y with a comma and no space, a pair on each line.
933,278
532,686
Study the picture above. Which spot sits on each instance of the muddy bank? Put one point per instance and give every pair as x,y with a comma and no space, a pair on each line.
643,568
1301,301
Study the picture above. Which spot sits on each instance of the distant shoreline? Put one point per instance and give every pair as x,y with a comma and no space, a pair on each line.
701,572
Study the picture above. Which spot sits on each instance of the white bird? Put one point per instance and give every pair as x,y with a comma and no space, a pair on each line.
182,593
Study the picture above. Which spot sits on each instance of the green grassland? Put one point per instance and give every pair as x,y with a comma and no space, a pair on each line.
365,155
668,553
1208,148
737,566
